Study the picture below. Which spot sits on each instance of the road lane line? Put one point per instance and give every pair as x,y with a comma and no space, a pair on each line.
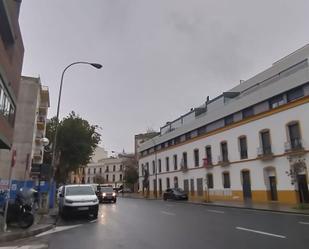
261,232
57,229
94,221
215,211
167,213
170,205
303,223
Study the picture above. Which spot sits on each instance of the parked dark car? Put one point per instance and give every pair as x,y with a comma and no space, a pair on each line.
175,194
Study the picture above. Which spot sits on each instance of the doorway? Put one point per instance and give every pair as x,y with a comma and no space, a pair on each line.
273,188
246,185
303,189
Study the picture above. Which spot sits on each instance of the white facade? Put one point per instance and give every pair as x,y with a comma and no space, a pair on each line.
253,108
111,169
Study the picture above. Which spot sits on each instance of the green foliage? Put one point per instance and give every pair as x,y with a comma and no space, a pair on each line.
131,172
76,142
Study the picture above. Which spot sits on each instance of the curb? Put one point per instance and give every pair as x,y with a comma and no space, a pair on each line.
24,234
245,208
228,206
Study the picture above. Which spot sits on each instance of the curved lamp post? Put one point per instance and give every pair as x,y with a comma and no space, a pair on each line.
95,65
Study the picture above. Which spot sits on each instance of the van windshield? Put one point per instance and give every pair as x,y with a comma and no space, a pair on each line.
79,190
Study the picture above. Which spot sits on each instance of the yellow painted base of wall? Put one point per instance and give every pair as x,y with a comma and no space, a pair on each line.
258,196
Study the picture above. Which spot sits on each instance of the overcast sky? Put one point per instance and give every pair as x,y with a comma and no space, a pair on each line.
160,57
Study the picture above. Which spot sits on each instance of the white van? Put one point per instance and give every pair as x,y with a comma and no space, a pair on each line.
78,199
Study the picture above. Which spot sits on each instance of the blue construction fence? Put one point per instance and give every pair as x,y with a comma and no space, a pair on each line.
42,187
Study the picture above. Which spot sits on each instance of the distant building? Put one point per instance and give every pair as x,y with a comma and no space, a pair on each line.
110,169
11,61
79,175
242,145
141,138
30,126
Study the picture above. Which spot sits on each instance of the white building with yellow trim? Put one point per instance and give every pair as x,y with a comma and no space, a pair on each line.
249,143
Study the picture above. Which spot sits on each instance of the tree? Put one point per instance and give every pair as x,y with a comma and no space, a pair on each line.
130,172
99,179
76,142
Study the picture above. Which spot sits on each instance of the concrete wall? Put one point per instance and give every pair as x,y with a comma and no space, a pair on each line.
25,128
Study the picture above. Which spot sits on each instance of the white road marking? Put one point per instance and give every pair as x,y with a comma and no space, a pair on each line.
94,221
261,232
39,246
57,229
167,213
303,223
170,205
215,211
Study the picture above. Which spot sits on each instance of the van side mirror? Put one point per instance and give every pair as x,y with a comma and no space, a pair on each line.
61,195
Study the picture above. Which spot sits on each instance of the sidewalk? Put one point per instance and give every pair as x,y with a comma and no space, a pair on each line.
272,206
41,224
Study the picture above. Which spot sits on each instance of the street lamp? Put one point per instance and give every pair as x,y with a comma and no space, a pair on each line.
95,65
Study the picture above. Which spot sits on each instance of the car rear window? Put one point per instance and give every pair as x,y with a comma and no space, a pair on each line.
106,189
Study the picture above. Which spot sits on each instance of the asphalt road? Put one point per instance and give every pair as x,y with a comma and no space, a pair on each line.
140,224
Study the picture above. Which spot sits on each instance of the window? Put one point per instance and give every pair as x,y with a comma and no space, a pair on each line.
184,160
192,186
94,170
100,170
175,182
107,169
114,168
229,120
147,167
199,186
247,112
167,182
196,157
208,154
175,162
120,177
160,186
294,135
113,178
153,167
265,140
88,180
226,180
276,101
120,167
106,178
88,171
167,160
188,135
295,94
210,181
186,185
160,167
176,140
243,147
224,152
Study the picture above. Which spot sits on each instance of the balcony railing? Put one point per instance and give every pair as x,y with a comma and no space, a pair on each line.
207,163
223,160
265,153
294,146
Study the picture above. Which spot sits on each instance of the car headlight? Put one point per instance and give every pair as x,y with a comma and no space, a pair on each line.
68,201
104,194
114,194
95,200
